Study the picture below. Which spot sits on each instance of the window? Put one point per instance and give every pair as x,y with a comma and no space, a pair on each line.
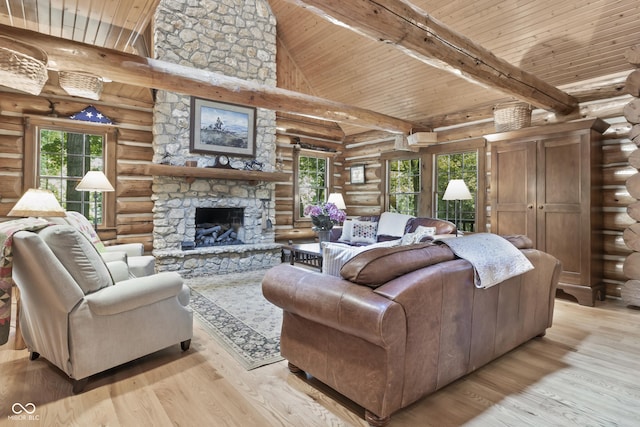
64,158
403,186
59,154
312,181
457,166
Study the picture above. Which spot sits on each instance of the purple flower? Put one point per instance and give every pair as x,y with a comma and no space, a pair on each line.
324,216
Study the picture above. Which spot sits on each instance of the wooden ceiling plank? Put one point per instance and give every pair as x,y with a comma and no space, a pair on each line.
83,10
30,8
106,21
142,23
55,17
93,23
69,15
418,34
44,16
150,73
17,13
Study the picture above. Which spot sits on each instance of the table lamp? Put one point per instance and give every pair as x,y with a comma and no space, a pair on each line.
95,181
457,190
37,203
337,199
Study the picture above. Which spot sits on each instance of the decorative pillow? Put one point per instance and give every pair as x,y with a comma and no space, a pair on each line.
393,224
78,256
347,230
422,234
364,232
378,266
82,224
334,255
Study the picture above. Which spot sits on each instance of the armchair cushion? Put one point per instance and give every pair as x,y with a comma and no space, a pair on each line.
134,293
81,223
78,256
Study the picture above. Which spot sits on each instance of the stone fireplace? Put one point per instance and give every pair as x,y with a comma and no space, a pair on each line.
202,37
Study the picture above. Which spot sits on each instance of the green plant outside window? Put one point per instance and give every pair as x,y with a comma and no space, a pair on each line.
64,158
312,181
457,166
404,186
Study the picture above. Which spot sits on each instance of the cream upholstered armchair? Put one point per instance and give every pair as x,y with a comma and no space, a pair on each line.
76,313
132,253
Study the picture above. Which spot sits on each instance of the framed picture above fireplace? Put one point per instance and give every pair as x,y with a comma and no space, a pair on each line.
221,128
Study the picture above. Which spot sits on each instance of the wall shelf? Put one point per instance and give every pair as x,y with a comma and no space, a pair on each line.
192,173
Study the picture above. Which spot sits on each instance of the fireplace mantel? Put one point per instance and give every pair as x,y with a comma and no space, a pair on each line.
191,173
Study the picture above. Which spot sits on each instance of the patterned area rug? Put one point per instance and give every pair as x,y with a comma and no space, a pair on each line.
232,308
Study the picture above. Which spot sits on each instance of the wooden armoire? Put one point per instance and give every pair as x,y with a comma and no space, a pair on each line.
546,183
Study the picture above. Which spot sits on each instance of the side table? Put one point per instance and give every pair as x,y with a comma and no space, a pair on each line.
307,254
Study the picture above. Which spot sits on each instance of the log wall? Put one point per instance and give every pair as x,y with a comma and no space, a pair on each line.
133,120
630,290
368,148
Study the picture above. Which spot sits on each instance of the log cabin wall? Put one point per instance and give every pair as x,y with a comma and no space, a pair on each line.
133,118
295,132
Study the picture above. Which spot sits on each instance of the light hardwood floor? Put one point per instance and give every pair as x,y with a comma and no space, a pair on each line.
584,372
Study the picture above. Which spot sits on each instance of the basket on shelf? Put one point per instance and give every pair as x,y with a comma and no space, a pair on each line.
22,66
511,116
77,83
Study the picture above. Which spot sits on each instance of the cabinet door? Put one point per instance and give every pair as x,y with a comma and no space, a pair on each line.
563,204
513,188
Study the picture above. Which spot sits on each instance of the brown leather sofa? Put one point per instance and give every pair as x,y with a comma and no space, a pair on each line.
406,321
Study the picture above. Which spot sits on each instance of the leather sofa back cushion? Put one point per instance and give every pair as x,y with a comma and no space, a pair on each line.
377,266
78,255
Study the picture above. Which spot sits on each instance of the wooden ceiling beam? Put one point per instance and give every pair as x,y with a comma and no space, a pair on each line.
150,73
416,33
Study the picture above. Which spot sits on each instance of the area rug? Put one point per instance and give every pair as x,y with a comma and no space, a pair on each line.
233,310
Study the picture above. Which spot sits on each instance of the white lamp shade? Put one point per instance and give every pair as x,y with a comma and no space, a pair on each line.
337,199
457,190
94,181
37,203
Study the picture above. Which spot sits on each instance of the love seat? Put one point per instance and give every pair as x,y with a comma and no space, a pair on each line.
405,321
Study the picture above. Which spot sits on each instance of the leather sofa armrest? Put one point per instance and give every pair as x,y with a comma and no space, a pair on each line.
134,293
335,303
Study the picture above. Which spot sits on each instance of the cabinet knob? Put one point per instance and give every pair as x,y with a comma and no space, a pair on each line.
541,207
529,206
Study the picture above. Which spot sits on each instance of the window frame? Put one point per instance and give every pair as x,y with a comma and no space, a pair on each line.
476,144
328,156
31,169
400,156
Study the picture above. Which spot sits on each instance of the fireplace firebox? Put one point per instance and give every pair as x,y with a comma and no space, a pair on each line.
219,226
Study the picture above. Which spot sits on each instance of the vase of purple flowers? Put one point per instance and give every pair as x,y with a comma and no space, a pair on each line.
323,217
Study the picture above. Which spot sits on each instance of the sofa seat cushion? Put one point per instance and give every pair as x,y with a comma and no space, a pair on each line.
379,265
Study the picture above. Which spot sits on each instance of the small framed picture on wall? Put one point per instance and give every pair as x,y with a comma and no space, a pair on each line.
357,174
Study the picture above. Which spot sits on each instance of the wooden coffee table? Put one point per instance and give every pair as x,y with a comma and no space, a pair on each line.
304,253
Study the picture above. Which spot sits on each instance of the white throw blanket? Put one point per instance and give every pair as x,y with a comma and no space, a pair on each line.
494,259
